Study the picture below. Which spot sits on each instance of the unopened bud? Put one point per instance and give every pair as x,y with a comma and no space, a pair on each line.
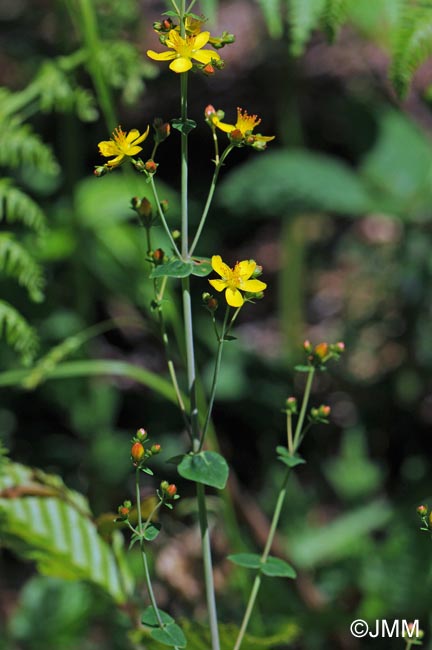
143,207
307,346
158,256
422,510
150,166
210,301
162,129
291,405
171,490
123,511
324,410
137,452
209,111
100,170
208,69
141,434
164,205
321,350
155,449
176,234
236,136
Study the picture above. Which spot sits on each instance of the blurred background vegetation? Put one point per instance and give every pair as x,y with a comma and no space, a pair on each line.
338,212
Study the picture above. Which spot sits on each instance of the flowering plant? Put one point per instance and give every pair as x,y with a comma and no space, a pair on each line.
241,285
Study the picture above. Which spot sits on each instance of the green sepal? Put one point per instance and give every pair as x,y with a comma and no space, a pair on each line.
147,470
134,539
151,531
149,617
228,337
201,267
170,635
172,269
184,126
169,506
170,13
206,467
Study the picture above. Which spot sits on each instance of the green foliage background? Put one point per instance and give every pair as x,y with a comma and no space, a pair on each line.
338,211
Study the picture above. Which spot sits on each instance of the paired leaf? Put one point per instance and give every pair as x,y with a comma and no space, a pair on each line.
170,635
184,126
272,567
206,467
287,458
150,619
151,531
172,269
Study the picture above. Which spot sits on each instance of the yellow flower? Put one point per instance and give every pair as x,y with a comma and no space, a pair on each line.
122,144
242,130
235,280
185,49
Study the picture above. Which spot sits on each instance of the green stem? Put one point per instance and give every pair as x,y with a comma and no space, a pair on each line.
257,582
208,567
290,433
162,217
215,378
277,512
201,225
93,47
302,415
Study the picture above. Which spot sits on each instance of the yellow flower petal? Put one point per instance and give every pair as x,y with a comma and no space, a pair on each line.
205,56
219,285
161,56
254,286
133,150
222,126
201,40
220,267
115,162
182,64
132,135
264,138
108,148
246,268
174,39
141,137
234,297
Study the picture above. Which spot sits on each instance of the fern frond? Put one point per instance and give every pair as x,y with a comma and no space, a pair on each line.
15,206
334,14
17,332
272,13
16,262
21,146
412,45
304,17
124,68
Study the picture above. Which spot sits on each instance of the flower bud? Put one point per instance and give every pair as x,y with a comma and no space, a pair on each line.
158,256
150,167
210,302
291,405
321,350
164,206
141,434
209,111
137,452
176,234
142,207
100,170
307,346
161,130
123,512
208,69
236,136
155,449
324,410
171,490
422,510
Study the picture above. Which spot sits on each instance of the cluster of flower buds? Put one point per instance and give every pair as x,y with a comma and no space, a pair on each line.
210,113
124,511
139,454
413,635
320,414
168,492
319,355
193,26
158,256
101,170
144,211
210,302
426,518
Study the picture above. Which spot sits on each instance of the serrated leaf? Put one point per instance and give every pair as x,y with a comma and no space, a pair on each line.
206,467
274,567
292,461
170,635
247,560
172,269
150,619
151,531
184,126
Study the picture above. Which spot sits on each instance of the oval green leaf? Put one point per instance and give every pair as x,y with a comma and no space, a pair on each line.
207,467
277,568
150,619
247,560
172,269
170,635
291,461
201,267
151,531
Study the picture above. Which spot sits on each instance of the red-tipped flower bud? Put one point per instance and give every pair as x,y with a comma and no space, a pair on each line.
422,510
150,166
155,449
321,350
137,452
208,69
171,490
141,434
